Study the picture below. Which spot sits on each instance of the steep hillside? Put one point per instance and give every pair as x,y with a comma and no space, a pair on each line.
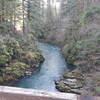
19,27
17,58
82,48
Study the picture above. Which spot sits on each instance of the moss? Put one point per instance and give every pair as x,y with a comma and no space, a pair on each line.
15,60
97,89
67,89
62,89
16,66
1,79
75,74
3,50
20,65
17,69
31,58
18,74
4,59
8,68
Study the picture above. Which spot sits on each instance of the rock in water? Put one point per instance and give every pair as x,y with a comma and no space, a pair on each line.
72,82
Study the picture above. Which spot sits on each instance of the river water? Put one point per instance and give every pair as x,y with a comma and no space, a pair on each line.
52,68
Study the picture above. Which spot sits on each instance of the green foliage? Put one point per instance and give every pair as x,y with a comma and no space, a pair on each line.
98,89
35,19
12,49
67,6
83,51
4,59
16,69
1,79
89,14
15,60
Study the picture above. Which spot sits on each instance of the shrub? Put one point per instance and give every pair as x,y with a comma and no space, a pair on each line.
89,14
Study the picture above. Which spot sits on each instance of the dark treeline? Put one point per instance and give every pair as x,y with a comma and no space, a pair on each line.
35,17
23,15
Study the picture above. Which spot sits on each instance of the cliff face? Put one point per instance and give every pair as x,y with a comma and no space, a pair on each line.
81,46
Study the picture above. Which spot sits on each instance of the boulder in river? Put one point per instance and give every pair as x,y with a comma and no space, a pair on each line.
72,82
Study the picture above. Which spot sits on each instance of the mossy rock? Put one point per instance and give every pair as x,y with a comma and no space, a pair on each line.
31,58
5,55
17,74
76,74
4,59
19,65
3,50
72,82
67,89
1,79
63,89
16,66
17,69
9,69
75,85
8,77
15,60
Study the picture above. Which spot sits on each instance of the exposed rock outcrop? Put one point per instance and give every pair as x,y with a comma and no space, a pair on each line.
72,82
76,82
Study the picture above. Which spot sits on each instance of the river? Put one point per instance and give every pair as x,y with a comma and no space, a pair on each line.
52,68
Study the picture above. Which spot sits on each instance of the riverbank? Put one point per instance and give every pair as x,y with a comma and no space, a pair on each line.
51,69
17,59
85,79
86,56
79,34
79,83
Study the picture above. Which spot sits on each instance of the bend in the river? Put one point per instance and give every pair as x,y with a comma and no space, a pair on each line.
52,68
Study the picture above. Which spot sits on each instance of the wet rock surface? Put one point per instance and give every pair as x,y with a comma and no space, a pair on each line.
76,82
71,82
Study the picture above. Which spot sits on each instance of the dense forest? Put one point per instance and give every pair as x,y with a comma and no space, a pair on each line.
73,25
19,56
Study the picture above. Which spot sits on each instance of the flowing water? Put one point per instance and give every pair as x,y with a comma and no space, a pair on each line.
52,68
